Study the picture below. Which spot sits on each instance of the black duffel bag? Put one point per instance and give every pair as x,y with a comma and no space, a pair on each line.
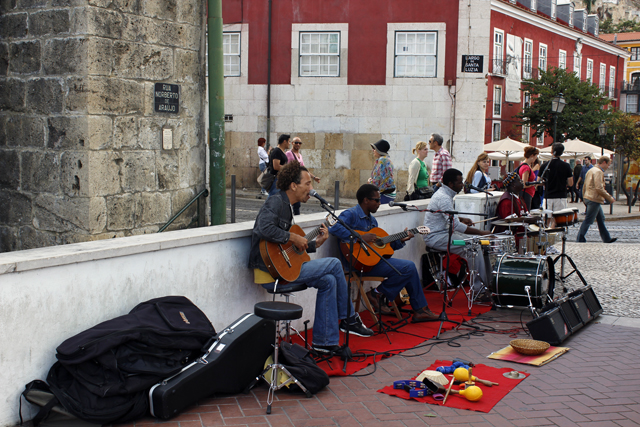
104,373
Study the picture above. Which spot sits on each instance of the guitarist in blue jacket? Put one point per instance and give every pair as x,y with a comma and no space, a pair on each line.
273,222
360,218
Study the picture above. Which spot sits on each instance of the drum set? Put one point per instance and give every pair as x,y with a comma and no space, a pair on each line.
518,262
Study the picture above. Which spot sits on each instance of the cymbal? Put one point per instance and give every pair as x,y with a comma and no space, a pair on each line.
540,211
528,220
504,223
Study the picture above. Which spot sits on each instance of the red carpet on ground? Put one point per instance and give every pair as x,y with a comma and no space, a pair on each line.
490,395
408,336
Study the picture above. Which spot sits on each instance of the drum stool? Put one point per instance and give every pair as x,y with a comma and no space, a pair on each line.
278,311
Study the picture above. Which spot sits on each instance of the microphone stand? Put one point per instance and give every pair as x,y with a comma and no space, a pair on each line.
353,236
443,315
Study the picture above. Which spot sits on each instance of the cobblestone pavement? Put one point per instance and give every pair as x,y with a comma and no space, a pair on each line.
627,231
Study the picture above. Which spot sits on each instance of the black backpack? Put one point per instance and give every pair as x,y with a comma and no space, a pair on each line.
104,373
299,362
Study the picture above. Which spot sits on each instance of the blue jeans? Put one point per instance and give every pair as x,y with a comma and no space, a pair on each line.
394,283
594,212
332,301
262,166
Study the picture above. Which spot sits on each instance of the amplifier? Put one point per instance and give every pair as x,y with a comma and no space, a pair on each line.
550,326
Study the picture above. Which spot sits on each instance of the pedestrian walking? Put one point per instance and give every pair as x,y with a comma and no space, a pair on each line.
264,159
294,155
594,196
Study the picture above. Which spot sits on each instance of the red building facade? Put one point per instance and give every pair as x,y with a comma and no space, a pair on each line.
544,42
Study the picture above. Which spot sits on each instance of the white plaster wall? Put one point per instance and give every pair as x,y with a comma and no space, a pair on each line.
474,38
50,294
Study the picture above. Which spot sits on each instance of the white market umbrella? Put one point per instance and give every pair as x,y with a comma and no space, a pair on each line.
506,147
575,148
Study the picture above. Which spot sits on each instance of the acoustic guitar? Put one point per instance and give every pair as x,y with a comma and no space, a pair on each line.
364,259
284,260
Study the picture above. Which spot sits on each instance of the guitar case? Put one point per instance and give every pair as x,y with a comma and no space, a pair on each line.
228,366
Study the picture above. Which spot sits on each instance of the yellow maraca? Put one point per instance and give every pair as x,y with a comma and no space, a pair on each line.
461,374
472,393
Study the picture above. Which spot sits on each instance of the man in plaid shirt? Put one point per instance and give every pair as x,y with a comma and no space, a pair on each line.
441,160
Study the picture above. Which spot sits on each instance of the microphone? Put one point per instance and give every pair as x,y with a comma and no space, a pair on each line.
315,194
400,205
533,183
480,190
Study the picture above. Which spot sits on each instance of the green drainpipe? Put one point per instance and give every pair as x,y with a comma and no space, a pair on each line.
217,179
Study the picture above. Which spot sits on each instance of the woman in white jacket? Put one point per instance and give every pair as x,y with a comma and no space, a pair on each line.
418,173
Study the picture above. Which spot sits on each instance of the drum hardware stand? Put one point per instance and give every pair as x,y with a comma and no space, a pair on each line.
471,274
562,257
353,236
533,310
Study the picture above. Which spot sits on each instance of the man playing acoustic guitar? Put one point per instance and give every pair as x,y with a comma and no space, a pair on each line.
359,218
273,222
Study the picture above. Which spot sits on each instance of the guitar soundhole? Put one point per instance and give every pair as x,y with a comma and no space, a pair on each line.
296,250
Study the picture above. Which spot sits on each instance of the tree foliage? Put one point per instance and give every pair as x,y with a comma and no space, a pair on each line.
581,115
608,27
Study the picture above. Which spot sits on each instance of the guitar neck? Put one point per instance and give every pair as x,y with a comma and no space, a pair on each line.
393,237
313,234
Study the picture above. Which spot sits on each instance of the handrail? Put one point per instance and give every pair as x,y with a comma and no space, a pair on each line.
204,193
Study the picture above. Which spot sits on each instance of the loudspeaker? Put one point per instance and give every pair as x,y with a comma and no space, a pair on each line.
550,327
577,299
592,301
568,311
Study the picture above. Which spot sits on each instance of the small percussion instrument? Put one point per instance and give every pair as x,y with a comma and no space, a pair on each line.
513,273
565,217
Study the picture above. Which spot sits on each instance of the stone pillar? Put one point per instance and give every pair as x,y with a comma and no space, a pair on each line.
81,151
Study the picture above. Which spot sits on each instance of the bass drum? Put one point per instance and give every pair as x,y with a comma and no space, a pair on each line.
512,274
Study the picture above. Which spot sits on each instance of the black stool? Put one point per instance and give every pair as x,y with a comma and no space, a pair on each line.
278,311
286,290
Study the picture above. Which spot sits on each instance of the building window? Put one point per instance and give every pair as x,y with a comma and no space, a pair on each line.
527,60
498,52
415,54
497,101
612,81
632,104
526,131
635,54
542,59
562,59
540,140
603,76
231,54
320,54
496,131
577,64
590,70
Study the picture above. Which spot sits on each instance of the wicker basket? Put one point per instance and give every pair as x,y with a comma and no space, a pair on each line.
529,347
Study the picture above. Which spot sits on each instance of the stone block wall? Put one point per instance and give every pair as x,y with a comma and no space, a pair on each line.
81,154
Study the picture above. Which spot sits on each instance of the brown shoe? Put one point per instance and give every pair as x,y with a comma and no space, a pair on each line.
423,315
378,307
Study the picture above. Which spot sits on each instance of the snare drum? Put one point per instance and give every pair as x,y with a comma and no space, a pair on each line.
564,218
513,273
501,244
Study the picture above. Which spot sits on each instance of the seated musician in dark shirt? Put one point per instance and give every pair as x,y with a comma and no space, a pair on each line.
511,205
273,222
360,218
